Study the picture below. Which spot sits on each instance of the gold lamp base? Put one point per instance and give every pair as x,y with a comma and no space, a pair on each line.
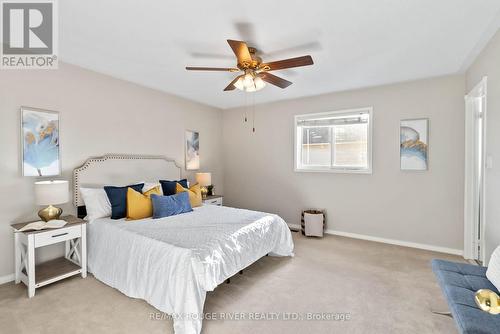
204,192
50,213
488,301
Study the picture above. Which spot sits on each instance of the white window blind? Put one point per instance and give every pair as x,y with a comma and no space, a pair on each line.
334,141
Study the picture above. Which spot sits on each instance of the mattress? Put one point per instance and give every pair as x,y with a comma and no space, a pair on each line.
172,262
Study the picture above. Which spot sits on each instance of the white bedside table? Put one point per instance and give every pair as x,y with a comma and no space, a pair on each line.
73,263
213,200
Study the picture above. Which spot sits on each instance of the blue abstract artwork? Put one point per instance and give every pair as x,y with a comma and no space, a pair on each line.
40,131
192,150
414,144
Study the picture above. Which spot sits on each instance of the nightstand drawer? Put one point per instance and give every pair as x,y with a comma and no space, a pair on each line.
213,201
55,236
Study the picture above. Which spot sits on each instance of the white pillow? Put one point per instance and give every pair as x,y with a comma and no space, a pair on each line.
151,185
97,203
493,271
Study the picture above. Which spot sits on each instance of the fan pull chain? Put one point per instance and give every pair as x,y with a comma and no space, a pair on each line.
246,105
253,113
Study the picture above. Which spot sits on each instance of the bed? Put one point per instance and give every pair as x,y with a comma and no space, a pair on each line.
172,262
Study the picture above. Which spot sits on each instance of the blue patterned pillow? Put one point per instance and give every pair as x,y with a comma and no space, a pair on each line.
168,187
118,199
165,206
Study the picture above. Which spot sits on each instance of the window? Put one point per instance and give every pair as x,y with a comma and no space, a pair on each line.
337,141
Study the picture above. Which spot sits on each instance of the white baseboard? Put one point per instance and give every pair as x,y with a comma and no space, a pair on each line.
391,241
6,278
398,242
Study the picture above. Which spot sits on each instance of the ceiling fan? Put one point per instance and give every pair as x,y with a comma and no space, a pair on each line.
255,72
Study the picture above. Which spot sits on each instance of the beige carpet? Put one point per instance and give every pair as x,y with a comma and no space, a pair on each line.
384,288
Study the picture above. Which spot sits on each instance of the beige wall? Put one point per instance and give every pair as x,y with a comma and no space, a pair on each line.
419,207
488,64
99,115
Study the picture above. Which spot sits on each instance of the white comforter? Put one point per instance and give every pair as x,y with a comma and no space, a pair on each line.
172,262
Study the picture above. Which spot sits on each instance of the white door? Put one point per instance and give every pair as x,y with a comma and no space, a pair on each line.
475,118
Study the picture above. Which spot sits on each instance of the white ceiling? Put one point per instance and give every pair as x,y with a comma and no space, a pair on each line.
354,43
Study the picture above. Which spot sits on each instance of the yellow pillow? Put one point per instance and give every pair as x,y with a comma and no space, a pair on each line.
194,193
139,205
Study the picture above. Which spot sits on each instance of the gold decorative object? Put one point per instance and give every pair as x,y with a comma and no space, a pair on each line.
204,192
49,213
488,301
51,193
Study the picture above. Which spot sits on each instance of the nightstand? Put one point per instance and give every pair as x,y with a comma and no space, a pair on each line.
213,200
74,261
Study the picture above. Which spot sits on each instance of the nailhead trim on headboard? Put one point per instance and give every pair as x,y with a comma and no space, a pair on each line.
91,161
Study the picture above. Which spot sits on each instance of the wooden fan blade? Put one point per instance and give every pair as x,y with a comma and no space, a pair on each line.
240,49
274,80
231,86
223,69
287,63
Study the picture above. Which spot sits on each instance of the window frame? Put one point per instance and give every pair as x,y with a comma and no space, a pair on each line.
330,169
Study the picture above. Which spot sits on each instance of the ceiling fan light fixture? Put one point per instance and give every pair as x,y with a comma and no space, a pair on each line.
258,83
248,80
239,84
250,89
249,83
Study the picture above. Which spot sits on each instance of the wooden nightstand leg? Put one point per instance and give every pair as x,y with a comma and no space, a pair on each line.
17,255
83,250
31,265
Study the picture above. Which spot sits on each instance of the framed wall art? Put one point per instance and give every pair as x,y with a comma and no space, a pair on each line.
40,142
414,144
192,150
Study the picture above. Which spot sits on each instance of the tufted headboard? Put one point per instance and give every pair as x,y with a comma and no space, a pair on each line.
117,169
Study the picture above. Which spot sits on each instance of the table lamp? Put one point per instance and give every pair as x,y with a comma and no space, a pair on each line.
51,193
204,180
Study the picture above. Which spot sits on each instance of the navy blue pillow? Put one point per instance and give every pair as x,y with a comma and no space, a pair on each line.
168,187
165,206
118,199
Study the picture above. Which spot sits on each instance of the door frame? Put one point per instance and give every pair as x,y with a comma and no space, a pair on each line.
471,242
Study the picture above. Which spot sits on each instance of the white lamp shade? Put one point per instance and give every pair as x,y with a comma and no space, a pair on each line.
204,179
51,192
